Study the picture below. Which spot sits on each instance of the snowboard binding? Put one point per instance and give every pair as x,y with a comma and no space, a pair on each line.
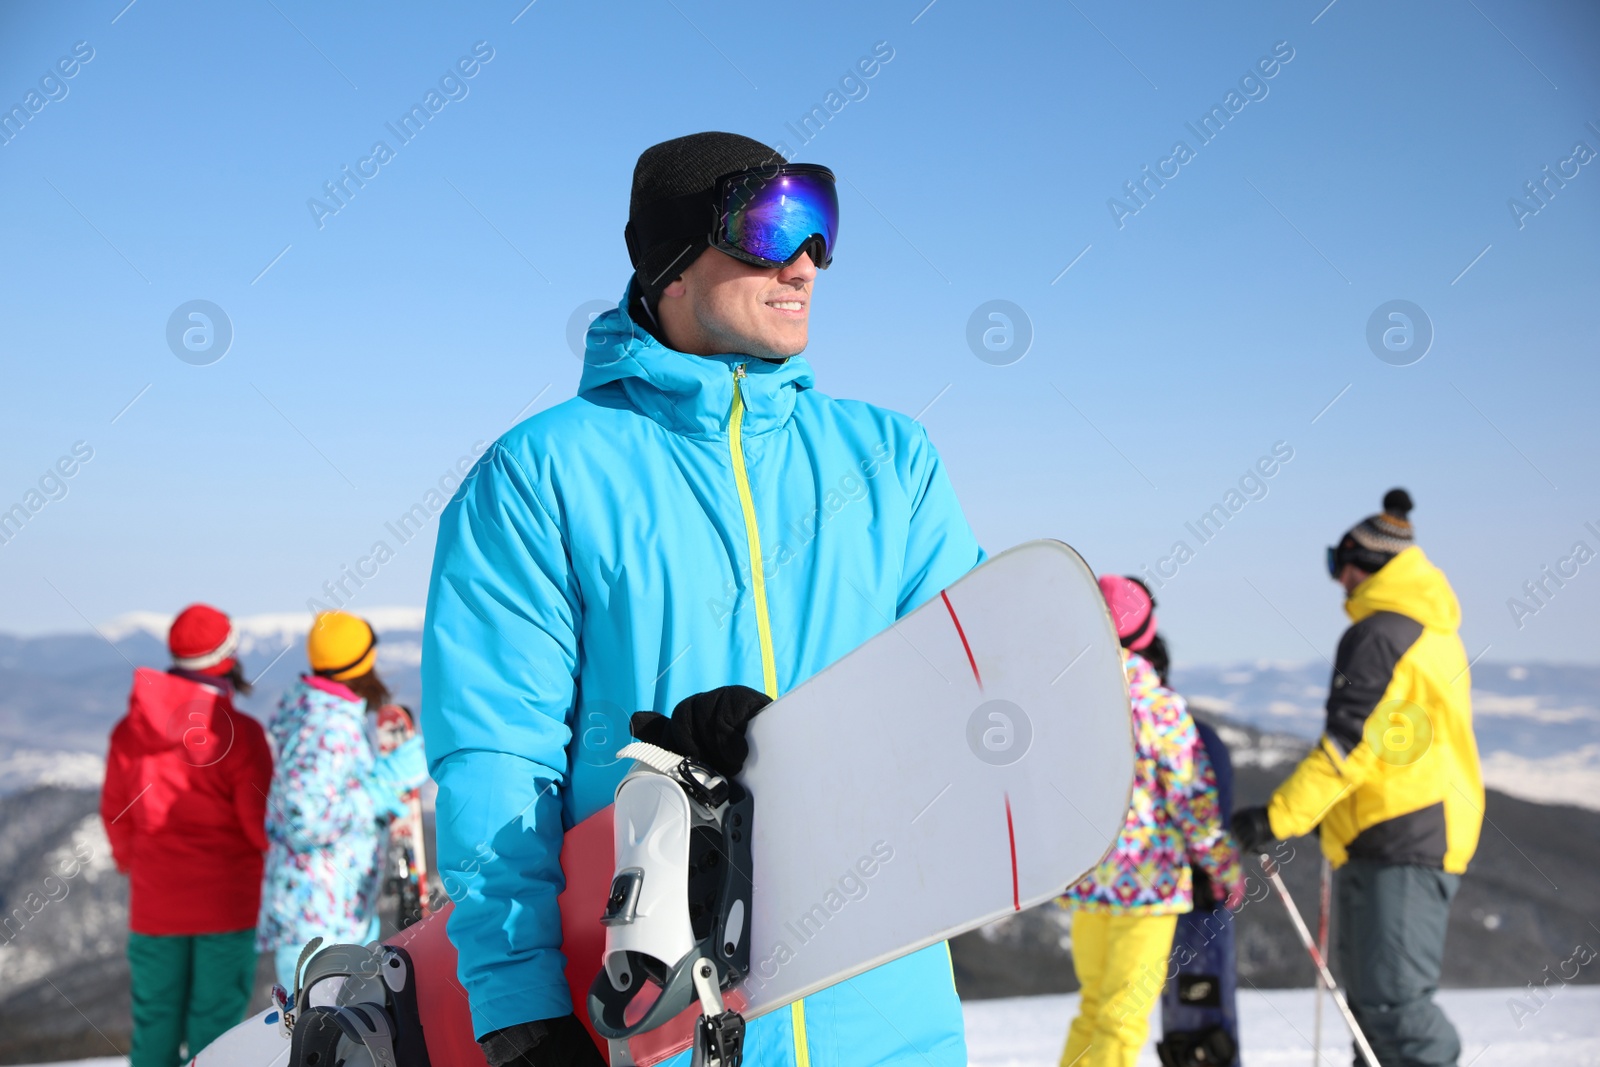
1211,1047
677,918
365,1011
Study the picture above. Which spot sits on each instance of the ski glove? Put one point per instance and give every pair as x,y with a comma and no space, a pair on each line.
1209,894
1253,830
708,728
559,1042
395,774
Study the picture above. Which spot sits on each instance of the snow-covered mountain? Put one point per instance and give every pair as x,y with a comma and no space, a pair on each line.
272,631
60,694
1538,725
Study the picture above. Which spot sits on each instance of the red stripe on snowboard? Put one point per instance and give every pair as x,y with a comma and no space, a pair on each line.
963,635
1011,832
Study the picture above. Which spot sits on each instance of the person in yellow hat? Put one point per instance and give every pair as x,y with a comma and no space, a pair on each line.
332,796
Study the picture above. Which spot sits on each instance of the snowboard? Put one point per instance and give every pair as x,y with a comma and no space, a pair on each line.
982,744
406,862
1200,1000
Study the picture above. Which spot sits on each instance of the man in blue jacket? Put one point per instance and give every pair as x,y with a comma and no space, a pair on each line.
698,517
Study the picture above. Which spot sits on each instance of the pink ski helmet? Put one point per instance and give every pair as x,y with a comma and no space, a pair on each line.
1133,609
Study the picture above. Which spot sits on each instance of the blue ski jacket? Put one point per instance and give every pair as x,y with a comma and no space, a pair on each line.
683,523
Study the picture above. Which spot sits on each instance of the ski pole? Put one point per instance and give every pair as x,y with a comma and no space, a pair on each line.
1270,869
1323,906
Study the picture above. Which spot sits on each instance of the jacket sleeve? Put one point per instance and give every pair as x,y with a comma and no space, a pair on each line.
251,786
1213,849
940,546
1190,789
115,797
322,783
500,653
1362,671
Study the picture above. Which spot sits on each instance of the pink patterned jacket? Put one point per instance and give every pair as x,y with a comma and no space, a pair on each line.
1174,818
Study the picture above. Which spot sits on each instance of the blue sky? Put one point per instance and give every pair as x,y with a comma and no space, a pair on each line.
373,347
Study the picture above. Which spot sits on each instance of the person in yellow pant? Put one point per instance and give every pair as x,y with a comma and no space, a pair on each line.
1121,963
1125,911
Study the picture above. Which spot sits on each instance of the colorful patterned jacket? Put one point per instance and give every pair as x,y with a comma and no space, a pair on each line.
1174,819
323,820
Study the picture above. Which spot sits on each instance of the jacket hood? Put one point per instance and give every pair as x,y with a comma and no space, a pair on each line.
168,712
691,395
1409,585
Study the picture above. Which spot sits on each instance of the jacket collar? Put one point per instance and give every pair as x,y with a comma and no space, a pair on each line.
331,687
220,682
1409,585
690,395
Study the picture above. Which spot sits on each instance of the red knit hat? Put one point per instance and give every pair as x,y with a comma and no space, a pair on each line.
1133,609
203,639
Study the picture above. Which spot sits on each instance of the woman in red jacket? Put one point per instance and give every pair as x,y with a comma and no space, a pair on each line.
184,806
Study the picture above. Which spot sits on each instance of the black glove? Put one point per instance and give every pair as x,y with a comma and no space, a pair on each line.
708,728
1253,830
559,1042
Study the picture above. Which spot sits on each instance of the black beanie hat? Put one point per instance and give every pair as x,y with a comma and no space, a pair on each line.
662,237
1377,539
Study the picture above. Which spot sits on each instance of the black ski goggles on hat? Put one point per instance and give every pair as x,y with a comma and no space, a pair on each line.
767,216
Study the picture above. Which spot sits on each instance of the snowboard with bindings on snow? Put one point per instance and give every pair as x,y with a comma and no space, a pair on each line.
991,755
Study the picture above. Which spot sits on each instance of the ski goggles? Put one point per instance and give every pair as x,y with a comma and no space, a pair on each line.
767,216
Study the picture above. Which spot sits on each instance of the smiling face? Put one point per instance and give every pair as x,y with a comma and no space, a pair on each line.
721,306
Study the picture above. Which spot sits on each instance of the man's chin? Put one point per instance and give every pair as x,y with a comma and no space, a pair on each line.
764,344
786,352
779,348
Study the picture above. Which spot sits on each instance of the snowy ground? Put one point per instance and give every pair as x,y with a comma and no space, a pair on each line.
1276,1029
1276,1025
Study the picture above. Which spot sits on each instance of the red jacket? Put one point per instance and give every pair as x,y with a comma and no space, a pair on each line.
185,804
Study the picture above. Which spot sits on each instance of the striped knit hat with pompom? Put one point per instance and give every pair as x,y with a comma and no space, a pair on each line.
1377,539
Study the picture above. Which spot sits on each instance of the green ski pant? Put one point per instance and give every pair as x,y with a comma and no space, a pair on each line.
187,990
1391,921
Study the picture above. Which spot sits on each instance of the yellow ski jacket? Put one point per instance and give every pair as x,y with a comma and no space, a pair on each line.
1394,777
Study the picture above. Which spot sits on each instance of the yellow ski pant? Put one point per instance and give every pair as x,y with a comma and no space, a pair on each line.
1121,963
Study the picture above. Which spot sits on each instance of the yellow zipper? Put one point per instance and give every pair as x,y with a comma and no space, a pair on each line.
802,1050
769,666
758,583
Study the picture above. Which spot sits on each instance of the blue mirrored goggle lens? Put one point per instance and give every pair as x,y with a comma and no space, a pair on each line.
773,218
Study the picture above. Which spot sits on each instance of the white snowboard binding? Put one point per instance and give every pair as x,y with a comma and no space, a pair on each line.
679,910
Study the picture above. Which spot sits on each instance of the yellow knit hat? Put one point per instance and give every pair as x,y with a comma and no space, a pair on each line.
341,646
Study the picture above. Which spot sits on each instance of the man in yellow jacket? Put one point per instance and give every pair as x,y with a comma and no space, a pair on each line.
1393,783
